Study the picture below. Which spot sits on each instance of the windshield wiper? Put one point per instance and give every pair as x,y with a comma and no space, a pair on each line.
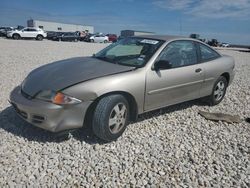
128,65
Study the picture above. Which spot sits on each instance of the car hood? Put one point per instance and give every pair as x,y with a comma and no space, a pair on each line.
61,74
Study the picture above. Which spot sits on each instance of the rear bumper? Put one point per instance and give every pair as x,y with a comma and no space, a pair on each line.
49,116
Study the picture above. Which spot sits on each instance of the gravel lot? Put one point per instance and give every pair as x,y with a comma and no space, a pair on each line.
170,147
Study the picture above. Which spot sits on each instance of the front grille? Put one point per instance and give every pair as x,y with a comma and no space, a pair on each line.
34,118
23,114
38,119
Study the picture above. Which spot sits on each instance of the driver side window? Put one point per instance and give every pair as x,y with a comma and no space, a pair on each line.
179,54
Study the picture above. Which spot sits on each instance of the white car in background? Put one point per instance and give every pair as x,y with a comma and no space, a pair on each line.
226,45
99,38
28,32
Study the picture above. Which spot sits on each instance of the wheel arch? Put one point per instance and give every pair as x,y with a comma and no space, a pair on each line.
16,34
227,76
39,35
131,101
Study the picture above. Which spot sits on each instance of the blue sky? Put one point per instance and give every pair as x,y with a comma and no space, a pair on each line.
226,20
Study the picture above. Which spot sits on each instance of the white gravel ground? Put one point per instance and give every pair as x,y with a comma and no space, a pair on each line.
170,147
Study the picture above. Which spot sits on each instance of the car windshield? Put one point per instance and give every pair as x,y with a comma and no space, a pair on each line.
132,51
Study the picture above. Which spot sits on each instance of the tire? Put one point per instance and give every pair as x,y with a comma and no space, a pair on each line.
219,91
76,40
92,41
39,37
105,41
16,36
110,118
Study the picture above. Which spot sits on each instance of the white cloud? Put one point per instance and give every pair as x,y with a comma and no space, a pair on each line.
209,8
173,4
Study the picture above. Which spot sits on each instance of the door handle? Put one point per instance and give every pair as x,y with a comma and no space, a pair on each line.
198,70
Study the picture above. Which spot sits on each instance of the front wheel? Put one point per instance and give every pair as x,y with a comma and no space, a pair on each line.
110,117
16,36
39,37
219,91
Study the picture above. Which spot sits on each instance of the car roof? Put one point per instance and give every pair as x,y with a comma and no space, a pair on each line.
163,37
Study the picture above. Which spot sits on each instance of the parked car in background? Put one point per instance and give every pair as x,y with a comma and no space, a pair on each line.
112,37
87,37
121,37
70,36
28,32
130,77
52,34
213,42
20,27
225,45
4,30
194,36
98,38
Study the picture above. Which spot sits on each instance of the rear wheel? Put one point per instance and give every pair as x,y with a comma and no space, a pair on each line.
110,117
76,40
92,40
16,36
105,41
219,91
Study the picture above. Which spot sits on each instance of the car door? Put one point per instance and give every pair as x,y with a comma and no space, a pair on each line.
66,37
102,38
29,33
180,81
32,33
98,38
71,37
25,33
211,67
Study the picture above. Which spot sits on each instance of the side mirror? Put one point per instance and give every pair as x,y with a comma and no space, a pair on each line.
162,65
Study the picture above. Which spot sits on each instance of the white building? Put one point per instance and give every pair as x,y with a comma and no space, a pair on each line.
60,27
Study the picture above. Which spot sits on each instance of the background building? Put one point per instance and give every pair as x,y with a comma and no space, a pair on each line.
60,27
128,33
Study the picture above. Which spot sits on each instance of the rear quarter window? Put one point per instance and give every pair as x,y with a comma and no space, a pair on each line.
207,53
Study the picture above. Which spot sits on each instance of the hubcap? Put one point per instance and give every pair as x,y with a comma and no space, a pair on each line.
219,90
117,118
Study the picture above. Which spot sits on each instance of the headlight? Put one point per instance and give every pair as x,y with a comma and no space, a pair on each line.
57,97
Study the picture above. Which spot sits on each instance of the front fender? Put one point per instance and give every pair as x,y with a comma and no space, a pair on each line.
132,82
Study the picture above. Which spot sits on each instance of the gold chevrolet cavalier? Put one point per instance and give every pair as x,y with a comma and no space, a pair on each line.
127,78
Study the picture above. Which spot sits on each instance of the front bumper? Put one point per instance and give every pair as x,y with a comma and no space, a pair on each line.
9,35
49,116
